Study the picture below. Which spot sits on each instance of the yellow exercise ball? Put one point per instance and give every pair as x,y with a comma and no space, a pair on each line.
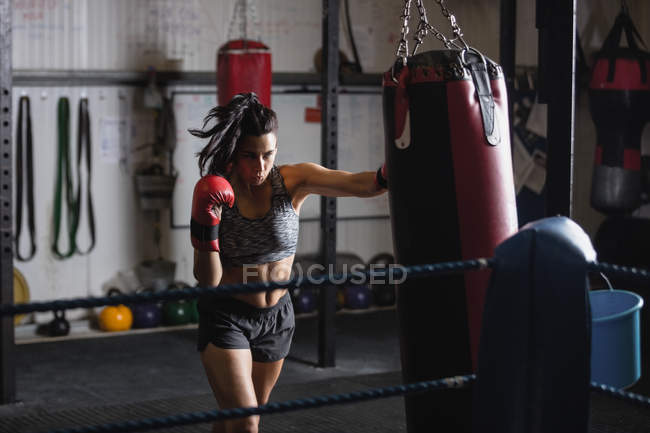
21,293
115,318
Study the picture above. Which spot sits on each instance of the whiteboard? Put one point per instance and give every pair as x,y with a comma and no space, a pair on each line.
360,134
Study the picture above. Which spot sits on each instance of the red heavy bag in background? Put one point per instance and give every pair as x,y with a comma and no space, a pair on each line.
619,100
452,197
244,66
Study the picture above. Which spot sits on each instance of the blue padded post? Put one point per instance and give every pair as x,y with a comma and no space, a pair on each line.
534,353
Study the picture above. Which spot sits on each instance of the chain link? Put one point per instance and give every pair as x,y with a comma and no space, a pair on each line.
244,11
458,33
424,28
403,47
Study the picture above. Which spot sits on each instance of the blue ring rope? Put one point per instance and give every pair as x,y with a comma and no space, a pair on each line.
418,271
271,408
314,402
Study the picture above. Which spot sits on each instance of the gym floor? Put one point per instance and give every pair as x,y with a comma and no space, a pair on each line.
83,382
136,369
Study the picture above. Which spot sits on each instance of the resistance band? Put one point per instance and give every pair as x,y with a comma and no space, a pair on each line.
24,135
64,181
83,149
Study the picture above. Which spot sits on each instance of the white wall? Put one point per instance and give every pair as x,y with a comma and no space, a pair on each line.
172,34
123,234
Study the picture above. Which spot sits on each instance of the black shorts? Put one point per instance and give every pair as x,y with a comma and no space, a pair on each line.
230,323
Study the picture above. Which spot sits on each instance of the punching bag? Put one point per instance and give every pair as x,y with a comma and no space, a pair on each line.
452,197
619,101
244,66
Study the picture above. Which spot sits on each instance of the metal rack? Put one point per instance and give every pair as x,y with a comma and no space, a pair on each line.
7,348
329,153
27,77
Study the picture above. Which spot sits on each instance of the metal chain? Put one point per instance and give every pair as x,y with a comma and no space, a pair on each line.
424,28
458,33
243,25
233,20
403,46
244,11
255,19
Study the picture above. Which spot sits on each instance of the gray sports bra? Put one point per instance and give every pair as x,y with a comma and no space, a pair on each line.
262,240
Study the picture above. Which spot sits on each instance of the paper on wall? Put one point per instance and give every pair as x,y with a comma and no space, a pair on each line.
537,120
522,163
113,139
537,177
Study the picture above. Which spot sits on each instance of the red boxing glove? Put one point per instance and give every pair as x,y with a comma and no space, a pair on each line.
381,179
210,191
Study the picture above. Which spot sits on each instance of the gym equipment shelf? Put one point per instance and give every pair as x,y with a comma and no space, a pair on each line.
82,329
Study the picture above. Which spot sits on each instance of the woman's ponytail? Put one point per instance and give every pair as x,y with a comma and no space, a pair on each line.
244,115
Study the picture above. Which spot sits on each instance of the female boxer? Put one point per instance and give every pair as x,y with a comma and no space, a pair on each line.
244,228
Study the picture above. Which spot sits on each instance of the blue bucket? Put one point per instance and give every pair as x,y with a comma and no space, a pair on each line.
615,337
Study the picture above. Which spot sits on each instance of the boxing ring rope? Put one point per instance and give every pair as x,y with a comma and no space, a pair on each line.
419,271
279,407
315,402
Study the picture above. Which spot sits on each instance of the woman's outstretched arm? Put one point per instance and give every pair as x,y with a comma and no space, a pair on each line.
316,179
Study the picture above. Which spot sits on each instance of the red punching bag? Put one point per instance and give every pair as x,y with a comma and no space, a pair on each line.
619,101
244,66
452,197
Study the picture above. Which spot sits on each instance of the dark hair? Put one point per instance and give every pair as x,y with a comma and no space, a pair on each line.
244,115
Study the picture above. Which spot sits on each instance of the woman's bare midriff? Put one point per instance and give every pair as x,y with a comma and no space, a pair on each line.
274,271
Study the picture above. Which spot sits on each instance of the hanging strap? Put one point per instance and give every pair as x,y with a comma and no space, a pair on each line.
609,49
245,14
83,149
478,68
64,182
357,62
24,135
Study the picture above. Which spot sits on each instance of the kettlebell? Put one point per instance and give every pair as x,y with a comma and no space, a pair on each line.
305,301
357,297
59,326
146,314
383,292
194,311
177,312
340,298
115,318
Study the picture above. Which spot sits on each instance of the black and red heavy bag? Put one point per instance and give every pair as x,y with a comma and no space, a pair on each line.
619,101
452,197
244,66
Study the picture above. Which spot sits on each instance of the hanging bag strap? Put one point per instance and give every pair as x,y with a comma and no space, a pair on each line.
24,136
244,14
83,152
64,182
611,46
